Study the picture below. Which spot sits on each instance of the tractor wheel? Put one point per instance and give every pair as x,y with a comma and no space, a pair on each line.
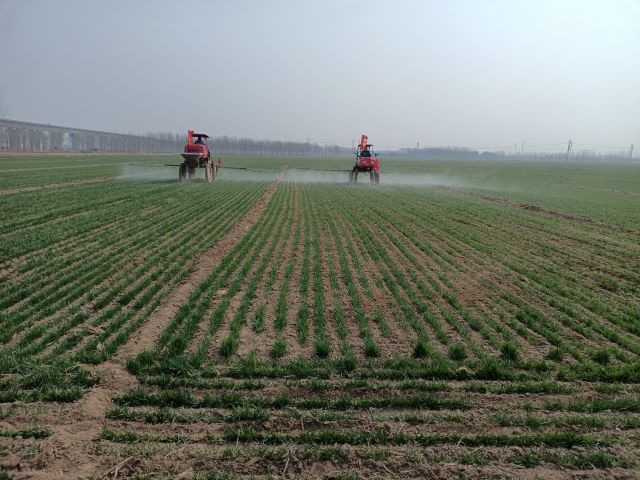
207,173
215,171
353,175
191,173
372,177
182,172
377,178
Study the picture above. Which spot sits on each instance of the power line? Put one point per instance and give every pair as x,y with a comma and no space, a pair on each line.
602,146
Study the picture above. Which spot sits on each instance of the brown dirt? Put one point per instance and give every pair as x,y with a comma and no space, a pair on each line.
150,332
248,339
400,340
87,306
11,273
497,274
224,328
541,304
501,276
294,299
405,265
468,293
325,259
353,333
73,452
263,342
65,454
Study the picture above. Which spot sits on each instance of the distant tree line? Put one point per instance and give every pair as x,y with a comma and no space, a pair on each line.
441,153
32,137
20,136
225,145
458,153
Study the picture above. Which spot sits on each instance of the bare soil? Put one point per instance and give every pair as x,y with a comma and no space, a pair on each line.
66,454
150,332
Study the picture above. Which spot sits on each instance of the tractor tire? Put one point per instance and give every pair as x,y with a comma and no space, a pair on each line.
191,174
207,173
377,178
182,173
353,175
372,177
215,171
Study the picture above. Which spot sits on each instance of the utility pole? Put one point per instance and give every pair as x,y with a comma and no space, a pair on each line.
631,152
569,145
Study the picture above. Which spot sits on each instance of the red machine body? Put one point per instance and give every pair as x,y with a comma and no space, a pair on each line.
199,145
196,154
366,161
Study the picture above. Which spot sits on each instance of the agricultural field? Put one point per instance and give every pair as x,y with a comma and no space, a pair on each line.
460,320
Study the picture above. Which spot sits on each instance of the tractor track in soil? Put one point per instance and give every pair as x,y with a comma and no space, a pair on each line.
150,332
539,209
66,454
225,326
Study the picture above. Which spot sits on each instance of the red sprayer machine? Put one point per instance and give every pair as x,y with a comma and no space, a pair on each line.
366,161
197,155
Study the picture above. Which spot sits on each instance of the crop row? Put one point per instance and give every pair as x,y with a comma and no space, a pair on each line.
82,306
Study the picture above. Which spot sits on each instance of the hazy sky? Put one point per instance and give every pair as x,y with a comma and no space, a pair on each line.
454,72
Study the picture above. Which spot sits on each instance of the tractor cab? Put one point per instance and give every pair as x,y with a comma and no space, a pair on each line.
196,154
366,161
197,143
